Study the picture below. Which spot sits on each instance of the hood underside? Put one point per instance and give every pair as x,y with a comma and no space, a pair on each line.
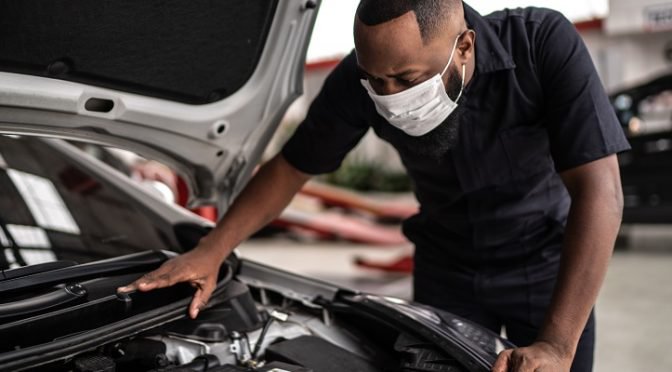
200,86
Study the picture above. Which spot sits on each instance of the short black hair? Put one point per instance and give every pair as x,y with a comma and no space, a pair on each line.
430,14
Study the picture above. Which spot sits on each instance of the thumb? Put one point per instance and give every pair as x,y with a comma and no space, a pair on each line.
502,362
200,300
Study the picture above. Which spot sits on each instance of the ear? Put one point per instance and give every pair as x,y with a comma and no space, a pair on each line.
465,47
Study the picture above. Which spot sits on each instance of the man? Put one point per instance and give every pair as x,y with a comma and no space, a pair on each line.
510,140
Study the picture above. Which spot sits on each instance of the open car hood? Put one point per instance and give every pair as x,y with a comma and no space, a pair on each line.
198,85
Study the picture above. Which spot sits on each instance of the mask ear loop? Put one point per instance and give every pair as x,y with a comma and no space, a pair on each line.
452,53
464,73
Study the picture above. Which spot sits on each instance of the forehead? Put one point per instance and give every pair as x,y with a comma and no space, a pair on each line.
401,34
394,45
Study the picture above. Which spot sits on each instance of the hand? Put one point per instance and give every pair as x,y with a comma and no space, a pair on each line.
541,356
199,267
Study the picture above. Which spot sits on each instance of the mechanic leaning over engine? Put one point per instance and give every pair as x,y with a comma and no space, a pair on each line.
506,131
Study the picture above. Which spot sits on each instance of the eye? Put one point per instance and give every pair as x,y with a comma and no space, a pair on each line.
365,75
373,80
407,82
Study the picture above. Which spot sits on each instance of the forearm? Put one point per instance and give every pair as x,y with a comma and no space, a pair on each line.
591,231
263,199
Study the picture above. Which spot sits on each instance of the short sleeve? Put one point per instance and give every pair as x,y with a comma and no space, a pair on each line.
334,123
581,122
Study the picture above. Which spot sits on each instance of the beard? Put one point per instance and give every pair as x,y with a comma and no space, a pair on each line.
444,137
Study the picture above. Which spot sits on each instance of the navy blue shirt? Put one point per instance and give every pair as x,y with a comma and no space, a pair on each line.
534,107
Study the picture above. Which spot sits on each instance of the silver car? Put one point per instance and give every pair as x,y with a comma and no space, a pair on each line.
200,86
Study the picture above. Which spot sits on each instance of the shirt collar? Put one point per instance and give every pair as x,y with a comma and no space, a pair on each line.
490,53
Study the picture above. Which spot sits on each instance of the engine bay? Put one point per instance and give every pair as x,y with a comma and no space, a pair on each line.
73,320
239,334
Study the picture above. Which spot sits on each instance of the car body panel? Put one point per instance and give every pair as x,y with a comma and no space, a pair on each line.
214,146
474,346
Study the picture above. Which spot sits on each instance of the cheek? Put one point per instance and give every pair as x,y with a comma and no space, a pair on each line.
453,80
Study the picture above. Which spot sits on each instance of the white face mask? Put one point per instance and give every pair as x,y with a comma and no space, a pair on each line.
420,109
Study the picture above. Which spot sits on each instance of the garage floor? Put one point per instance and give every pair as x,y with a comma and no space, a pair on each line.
634,329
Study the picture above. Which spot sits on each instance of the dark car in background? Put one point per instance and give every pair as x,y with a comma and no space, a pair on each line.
645,112
200,86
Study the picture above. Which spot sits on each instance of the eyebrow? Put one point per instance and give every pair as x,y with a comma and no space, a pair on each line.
398,75
404,73
364,72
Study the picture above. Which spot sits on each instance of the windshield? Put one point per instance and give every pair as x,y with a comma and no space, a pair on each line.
52,210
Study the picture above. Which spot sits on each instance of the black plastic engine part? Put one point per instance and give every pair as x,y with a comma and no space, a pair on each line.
140,354
237,313
56,335
202,363
137,262
283,367
68,294
94,363
270,367
86,316
230,368
317,354
419,356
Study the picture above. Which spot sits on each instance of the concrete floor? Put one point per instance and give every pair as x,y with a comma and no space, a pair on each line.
634,331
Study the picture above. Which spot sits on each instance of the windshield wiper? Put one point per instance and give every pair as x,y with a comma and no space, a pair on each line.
137,262
34,269
59,297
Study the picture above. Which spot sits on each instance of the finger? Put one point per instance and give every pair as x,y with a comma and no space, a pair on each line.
502,362
156,279
200,300
162,277
135,286
128,288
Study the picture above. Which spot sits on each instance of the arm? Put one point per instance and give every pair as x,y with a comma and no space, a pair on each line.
584,136
592,227
263,199
331,129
